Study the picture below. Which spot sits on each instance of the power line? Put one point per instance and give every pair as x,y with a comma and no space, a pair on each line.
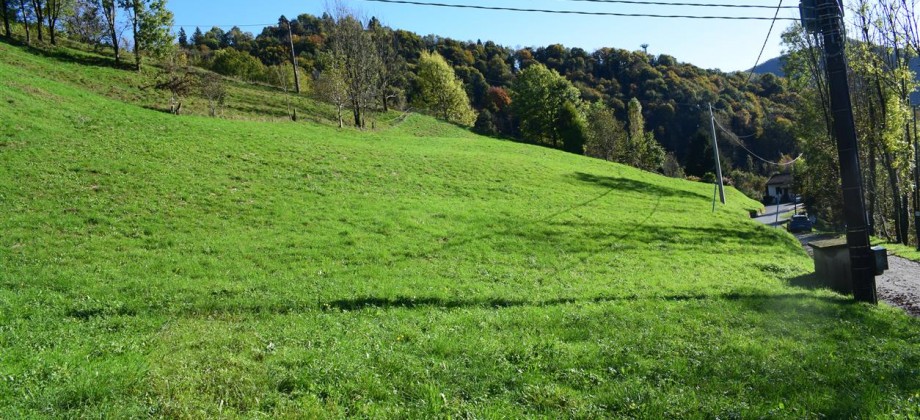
741,143
226,26
765,42
661,3
574,12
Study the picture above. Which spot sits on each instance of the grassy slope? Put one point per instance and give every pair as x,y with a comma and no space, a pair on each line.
155,265
98,73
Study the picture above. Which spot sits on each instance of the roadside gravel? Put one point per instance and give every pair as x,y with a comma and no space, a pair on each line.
899,286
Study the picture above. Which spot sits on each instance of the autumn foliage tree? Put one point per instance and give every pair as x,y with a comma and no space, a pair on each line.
441,92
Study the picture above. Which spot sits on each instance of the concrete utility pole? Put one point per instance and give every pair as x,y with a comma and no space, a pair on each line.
293,59
830,24
715,151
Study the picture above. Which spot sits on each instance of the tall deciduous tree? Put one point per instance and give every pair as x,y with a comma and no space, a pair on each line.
642,150
133,9
84,23
6,9
331,85
573,129
38,9
55,9
392,70
539,97
155,32
441,92
151,24
356,48
110,15
212,89
24,11
606,135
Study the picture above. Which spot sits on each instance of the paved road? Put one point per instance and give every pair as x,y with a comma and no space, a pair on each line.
773,216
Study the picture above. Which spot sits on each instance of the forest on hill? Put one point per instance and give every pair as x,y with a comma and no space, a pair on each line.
674,96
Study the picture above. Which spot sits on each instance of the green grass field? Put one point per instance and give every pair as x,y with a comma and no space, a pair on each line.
153,265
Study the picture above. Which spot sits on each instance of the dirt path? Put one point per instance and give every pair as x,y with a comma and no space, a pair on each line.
899,286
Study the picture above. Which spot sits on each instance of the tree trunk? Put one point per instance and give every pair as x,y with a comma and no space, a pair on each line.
137,44
904,235
871,189
916,181
6,17
109,12
39,18
25,21
895,184
114,37
52,19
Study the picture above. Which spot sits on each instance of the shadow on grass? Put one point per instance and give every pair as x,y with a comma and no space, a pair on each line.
524,229
631,185
161,109
85,311
402,302
808,281
71,56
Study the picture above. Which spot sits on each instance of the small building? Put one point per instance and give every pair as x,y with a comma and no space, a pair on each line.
779,188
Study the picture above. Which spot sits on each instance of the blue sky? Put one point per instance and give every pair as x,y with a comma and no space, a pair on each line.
723,44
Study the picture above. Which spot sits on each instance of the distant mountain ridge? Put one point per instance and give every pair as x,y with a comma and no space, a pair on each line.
773,65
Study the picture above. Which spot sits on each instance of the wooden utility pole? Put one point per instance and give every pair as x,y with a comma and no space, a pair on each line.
830,24
293,59
715,151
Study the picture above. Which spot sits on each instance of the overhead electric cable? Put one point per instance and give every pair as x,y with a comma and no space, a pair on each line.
225,26
765,42
663,3
734,137
574,12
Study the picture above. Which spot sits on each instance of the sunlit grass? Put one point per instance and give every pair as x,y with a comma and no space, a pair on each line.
153,265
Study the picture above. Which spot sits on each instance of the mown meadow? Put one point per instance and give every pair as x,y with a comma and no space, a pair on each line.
187,267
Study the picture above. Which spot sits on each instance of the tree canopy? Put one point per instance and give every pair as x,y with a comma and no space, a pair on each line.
441,92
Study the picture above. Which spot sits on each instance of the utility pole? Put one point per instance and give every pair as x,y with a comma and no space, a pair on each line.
293,59
830,24
715,151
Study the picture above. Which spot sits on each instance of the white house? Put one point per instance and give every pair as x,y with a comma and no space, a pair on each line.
780,187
